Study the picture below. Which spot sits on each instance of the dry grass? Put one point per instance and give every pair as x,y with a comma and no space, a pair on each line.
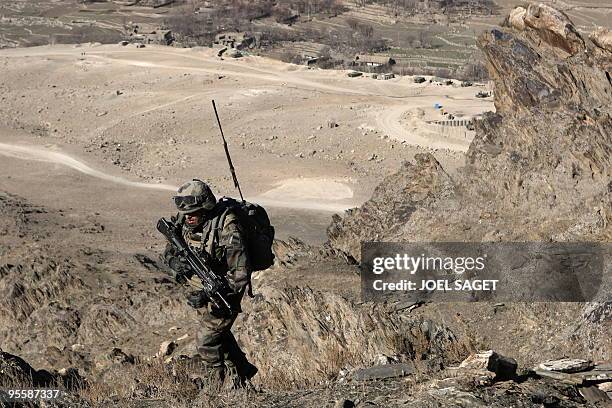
161,385
147,380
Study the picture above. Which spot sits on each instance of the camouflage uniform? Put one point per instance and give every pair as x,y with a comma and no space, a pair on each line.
216,344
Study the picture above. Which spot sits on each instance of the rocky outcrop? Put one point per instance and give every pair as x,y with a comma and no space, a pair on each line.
602,37
302,337
554,27
538,168
393,203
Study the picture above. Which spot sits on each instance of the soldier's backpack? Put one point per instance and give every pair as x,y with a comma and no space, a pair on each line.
258,230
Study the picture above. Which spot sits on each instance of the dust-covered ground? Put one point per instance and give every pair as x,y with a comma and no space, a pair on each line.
304,139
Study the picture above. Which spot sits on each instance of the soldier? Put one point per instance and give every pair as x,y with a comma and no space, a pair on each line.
199,214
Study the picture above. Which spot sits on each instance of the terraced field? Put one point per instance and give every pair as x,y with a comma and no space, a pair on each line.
424,41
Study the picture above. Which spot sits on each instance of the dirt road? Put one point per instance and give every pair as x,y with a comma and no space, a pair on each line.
46,155
299,77
309,194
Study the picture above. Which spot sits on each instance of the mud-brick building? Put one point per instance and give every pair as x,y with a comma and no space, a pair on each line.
150,35
163,37
238,40
373,60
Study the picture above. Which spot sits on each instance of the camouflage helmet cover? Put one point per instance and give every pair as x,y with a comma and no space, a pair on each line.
193,196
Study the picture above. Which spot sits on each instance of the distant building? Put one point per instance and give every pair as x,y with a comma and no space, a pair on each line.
310,60
373,60
150,35
385,76
238,40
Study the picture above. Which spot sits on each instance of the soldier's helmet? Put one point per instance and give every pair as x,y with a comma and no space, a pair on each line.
195,195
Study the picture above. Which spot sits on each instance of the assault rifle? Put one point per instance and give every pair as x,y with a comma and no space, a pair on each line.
214,285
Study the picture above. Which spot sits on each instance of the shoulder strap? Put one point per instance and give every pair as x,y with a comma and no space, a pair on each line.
218,225
205,237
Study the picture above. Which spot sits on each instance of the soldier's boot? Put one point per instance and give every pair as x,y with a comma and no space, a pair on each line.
213,381
239,377
216,377
207,377
239,369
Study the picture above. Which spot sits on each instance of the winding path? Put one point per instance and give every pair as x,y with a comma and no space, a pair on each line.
289,194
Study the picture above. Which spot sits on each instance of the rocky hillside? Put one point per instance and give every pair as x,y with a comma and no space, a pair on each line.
538,169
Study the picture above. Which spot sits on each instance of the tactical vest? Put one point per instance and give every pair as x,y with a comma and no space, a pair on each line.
205,241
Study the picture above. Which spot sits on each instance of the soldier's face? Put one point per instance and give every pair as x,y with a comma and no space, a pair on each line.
193,220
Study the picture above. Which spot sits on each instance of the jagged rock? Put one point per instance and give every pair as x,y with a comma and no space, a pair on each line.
602,37
594,395
383,371
503,367
16,371
287,252
298,331
554,27
517,18
392,203
566,365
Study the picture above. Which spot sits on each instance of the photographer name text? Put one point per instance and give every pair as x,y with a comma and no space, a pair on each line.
446,285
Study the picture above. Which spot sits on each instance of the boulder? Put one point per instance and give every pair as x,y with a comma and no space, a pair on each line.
503,367
166,348
566,365
576,372
594,395
344,403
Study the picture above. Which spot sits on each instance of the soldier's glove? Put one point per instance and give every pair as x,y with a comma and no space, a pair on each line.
181,269
233,299
221,312
197,299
